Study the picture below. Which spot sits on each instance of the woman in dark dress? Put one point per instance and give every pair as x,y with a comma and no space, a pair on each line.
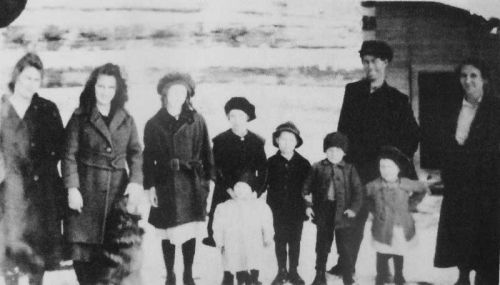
177,168
102,162
31,133
468,226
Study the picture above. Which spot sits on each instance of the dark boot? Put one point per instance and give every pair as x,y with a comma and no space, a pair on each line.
209,241
243,278
254,277
320,278
382,269
280,278
294,277
228,278
169,259
336,270
188,249
463,276
399,279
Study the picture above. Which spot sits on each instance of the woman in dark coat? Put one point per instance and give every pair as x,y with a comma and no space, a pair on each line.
468,227
101,144
31,132
177,168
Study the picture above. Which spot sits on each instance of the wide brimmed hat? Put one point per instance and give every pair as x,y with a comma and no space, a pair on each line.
287,127
241,103
174,78
337,139
378,49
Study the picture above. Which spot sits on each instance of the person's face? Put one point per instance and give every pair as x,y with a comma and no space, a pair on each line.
238,119
374,67
389,170
28,82
286,142
242,190
176,96
335,154
105,89
472,82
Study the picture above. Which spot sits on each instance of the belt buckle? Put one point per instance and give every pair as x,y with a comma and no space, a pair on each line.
174,164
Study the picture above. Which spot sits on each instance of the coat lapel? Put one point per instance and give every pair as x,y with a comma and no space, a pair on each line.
100,125
476,128
117,120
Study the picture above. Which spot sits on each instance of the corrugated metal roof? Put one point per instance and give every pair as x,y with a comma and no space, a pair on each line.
485,8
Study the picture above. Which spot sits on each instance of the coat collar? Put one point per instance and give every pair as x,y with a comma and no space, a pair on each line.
118,117
326,162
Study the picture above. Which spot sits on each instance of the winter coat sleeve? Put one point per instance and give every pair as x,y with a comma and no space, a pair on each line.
69,166
262,170
219,224
207,155
134,155
409,132
309,185
267,224
357,190
149,157
346,113
418,190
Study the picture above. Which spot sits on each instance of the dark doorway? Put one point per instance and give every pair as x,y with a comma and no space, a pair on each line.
438,94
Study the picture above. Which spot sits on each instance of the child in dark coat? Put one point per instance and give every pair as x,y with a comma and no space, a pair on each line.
236,151
287,171
336,199
391,197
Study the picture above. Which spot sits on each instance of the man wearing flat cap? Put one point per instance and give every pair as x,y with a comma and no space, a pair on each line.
374,114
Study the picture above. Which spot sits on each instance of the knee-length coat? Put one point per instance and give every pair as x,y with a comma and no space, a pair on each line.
100,161
32,193
468,225
178,162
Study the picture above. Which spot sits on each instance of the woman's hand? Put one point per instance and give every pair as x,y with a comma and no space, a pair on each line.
153,199
135,194
75,200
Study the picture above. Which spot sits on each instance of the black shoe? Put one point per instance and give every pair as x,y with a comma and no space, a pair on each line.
320,278
335,270
228,278
399,279
295,278
209,241
280,278
171,280
348,280
188,279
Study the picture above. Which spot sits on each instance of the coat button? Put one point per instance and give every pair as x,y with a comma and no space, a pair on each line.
108,149
33,144
52,153
35,177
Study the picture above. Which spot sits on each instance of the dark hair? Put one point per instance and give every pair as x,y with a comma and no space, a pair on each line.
481,66
87,98
28,60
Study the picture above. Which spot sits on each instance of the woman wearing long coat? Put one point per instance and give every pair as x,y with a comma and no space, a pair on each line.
31,132
102,162
178,165
468,226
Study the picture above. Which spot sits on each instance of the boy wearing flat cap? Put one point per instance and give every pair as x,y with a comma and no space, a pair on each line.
374,114
336,199
235,151
286,173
